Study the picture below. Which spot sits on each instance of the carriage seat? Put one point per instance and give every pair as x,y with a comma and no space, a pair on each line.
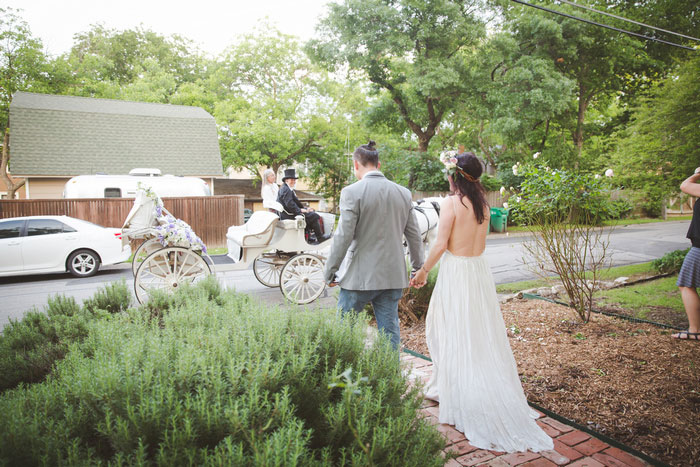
256,232
292,224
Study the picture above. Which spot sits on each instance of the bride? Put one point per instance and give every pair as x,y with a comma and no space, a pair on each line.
475,378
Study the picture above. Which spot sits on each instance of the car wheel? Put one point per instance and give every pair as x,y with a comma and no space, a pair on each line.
83,263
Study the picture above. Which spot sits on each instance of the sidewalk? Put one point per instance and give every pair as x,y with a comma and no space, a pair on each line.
572,447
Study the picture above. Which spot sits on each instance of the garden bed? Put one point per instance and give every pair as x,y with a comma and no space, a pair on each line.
629,381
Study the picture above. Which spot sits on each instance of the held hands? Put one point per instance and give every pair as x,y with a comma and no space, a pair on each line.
419,279
333,281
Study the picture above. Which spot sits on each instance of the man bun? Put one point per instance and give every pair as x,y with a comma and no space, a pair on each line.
367,154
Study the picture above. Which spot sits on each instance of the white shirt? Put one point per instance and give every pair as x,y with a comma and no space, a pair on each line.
269,192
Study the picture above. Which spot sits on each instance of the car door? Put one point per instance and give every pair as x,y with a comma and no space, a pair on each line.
11,246
47,244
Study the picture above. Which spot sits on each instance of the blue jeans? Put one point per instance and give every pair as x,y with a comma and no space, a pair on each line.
386,308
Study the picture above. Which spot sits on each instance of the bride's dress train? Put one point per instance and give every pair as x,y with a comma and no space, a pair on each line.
475,378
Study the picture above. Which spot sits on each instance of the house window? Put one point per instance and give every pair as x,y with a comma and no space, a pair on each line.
113,193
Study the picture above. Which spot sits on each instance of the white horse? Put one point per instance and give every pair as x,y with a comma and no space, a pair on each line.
427,213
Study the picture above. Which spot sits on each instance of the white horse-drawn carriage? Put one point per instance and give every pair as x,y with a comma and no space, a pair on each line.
172,254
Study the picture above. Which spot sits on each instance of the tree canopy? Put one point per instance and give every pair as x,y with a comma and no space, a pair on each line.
417,76
413,50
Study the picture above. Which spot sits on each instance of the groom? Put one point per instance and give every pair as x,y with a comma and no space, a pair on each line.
375,214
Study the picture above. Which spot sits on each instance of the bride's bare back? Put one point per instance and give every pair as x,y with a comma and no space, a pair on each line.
458,231
466,237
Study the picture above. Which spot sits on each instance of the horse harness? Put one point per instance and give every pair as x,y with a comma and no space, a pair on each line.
420,209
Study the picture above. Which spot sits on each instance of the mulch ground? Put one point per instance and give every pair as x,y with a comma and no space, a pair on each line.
629,381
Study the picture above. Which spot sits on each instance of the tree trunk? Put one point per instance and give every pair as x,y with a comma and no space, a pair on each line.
583,101
11,186
423,143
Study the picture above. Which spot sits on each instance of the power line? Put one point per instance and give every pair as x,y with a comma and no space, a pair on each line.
628,20
642,36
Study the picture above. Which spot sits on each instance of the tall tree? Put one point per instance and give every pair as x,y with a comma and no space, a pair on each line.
598,60
272,106
118,55
22,68
661,147
514,98
132,64
413,50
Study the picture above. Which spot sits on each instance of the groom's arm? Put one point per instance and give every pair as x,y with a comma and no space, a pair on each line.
413,239
343,235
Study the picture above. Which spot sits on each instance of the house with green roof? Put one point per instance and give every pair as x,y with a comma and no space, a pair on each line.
54,138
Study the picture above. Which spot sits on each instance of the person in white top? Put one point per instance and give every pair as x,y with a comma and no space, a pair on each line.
269,188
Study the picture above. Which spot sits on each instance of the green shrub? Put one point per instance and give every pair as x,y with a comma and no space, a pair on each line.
221,382
160,302
671,262
114,298
548,195
491,183
30,347
620,208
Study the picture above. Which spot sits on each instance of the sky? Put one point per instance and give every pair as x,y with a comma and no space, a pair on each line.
211,24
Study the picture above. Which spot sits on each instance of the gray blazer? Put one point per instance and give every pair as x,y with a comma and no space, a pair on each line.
375,215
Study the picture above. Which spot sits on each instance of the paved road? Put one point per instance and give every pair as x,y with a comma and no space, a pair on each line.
628,245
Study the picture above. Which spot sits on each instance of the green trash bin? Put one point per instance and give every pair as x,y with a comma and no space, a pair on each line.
499,220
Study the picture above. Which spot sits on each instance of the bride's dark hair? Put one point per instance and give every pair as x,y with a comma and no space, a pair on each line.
465,182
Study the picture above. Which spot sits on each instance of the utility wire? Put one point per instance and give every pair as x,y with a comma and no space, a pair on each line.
642,36
625,19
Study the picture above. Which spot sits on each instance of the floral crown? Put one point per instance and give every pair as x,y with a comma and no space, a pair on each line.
449,158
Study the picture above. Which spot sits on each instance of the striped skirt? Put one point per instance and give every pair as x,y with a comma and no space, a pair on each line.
690,271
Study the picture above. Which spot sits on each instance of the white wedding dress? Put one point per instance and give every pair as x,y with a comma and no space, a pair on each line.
475,378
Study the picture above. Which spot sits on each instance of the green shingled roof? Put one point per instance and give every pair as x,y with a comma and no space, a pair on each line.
66,136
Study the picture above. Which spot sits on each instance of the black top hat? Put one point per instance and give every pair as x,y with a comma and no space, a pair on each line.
289,173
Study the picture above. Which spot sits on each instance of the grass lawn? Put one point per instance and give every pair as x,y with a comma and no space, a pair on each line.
645,220
632,271
646,298
613,222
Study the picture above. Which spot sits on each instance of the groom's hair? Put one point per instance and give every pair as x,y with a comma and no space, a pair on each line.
366,154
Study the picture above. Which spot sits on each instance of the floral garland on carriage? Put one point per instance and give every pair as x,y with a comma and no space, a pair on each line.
170,230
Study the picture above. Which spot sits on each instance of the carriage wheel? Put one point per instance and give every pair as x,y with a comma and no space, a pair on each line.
167,269
142,252
267,269
301,280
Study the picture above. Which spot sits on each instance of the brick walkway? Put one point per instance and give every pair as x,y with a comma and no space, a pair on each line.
571,446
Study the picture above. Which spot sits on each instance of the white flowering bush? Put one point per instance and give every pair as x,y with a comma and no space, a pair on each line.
560,196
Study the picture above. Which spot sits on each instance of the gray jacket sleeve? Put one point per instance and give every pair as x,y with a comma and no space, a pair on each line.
415,244
343,235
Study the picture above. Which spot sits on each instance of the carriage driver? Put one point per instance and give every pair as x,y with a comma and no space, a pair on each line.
293,207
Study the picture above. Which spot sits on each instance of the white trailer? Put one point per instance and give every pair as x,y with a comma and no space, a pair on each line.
124,186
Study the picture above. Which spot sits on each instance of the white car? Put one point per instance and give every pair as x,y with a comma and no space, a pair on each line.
41,244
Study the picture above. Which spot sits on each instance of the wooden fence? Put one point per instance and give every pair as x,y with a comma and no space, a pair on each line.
209,216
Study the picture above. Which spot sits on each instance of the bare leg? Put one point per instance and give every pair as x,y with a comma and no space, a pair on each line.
691,302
